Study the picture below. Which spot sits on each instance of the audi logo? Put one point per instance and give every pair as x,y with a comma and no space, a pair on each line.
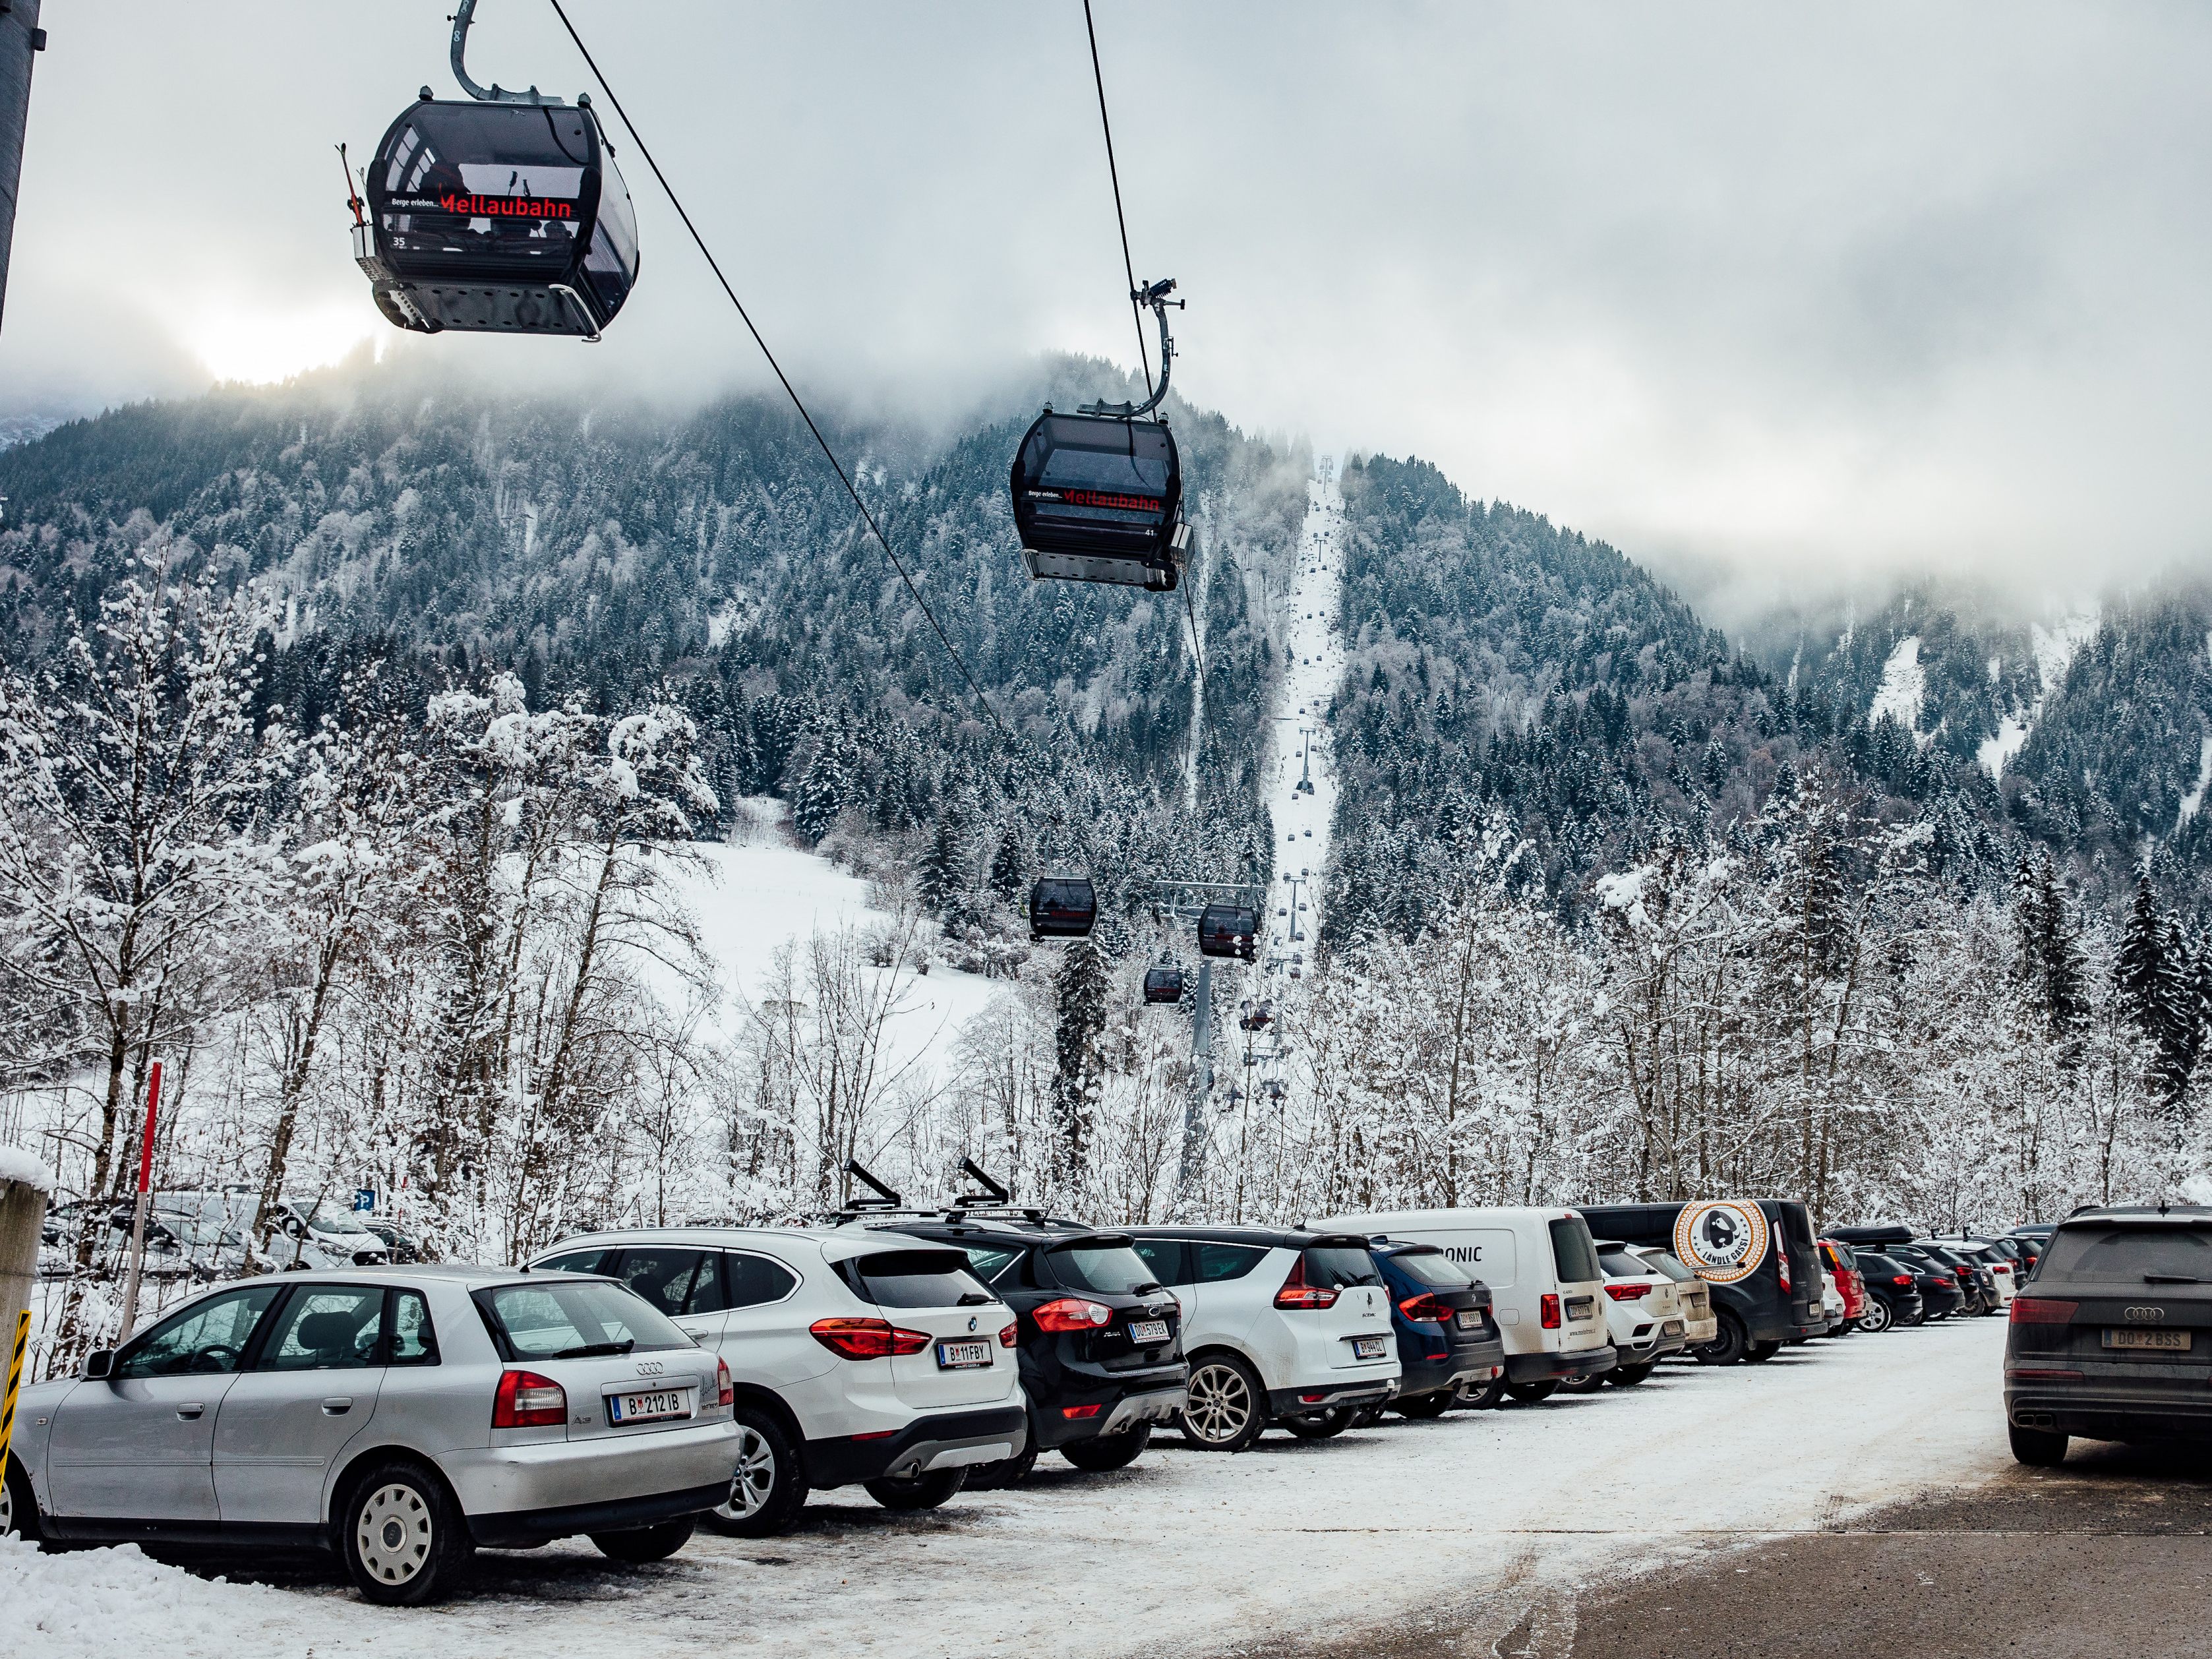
2145,1315
650,1368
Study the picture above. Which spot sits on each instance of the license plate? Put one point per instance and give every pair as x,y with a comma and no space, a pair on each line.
645,1407
1367,1347
1148,1330
1673,1328
1578,1307
963,1355
1467,1320
2166,1341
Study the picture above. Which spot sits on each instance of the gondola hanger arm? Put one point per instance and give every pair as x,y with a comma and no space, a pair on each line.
1155,295
495,94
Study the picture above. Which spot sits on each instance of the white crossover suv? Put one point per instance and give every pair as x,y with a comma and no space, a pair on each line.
1643,1318
858,1357
1279,1327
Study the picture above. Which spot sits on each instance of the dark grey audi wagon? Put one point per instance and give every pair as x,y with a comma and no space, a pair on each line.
2111,1337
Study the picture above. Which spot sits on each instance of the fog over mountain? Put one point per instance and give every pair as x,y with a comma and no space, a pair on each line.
1792,309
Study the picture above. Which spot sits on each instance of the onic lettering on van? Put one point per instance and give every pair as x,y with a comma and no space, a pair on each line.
1463,1252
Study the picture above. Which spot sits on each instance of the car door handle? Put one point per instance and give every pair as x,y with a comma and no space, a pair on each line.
190,1409
337,1404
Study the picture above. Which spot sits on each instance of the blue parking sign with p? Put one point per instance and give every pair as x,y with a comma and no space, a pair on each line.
364,1197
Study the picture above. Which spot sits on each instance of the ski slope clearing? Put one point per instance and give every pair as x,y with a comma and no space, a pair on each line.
1301,793
1490,1515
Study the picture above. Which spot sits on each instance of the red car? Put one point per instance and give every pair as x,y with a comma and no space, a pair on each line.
1850,1284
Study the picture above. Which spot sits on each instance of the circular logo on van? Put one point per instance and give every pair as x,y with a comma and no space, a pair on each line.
1723,1239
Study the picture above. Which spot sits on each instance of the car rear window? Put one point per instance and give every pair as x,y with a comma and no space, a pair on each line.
1108,1269
1573,1252
987,1263
550,1319
1432,1267
1219,1263
1624,1264
1333,1267
2131,1255
1660,1262
917,1279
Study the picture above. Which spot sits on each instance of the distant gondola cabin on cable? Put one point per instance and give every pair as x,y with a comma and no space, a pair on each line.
1063,907
1097,494
1164,985
498,218
1228,930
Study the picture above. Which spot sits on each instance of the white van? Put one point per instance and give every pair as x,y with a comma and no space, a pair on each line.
1546,1285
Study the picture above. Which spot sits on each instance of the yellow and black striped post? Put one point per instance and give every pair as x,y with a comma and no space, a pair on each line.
18,1346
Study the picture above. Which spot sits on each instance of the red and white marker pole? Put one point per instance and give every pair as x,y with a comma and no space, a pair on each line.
138,1216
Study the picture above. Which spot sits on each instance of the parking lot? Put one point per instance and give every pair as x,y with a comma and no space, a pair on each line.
1504,1531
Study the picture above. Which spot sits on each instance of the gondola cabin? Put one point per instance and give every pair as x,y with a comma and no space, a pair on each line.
1063,907
497,218
1164,985
1099,499
1228,930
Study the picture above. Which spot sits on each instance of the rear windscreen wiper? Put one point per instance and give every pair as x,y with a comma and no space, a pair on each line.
2172,1278
596,1350
972,1299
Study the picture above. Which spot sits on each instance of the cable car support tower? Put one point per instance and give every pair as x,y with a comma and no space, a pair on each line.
1183,902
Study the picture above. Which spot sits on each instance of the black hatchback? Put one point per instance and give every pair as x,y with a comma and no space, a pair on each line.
1099,1338
1892,1290
2112,1339
1449,1344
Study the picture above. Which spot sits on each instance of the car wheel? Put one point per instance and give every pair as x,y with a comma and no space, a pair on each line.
2039,1449
1320,1425
1109,1451
1435,1403
1581,1384
1878,1315
1759,1352
768,1486
1005,1473
1226,1411
1530,1393
19,1510
1488,1397
1627,1377
404,1541
641,1544
1728,1346
917,1491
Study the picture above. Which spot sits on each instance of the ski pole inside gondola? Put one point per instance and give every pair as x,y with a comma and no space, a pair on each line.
1097,494
500,213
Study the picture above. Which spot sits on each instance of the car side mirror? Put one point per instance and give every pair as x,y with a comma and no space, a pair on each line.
292,1227
100,1365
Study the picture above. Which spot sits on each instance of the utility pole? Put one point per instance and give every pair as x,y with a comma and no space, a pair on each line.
20,37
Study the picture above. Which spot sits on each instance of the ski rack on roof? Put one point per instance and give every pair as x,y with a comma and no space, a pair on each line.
994,1204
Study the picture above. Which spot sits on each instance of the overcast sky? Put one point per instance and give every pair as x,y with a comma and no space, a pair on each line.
1786,294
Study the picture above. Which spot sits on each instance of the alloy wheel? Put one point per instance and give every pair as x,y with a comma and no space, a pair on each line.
753,1481
392,1533
1220,1403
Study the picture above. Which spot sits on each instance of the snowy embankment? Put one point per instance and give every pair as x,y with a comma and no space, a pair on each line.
1490,1514
1301,817
2054,650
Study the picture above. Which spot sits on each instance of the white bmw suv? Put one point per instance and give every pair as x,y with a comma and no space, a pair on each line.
867,1358
1279,1327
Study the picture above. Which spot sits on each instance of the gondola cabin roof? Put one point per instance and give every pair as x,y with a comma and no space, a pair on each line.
1099,499
498,218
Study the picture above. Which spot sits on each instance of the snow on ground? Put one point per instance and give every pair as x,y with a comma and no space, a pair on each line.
1487,1513
1995,753
1302,817
1904,686
752,897
2054,649
2194,800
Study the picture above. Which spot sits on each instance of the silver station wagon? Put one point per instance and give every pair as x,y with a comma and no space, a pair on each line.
399,1416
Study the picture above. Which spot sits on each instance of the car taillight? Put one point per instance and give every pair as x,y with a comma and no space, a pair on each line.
525,1400
1548,1312
1627,1292
2004,1267
1965,1274
2031,1374
1080,1414
1782,1265
1296,1293
1902,1278
725,1395
2042,1310
1072,1313
1006,1335
1423,1306
867,1338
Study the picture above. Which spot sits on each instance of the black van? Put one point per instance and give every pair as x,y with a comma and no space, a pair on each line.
1778,1302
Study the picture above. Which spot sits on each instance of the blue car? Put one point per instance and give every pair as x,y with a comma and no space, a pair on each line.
1448,1341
